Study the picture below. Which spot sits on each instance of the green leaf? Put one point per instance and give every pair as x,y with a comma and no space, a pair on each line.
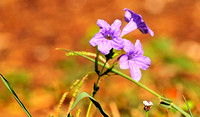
188,106
84,95
14,94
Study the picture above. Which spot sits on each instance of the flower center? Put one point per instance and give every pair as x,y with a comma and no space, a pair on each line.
130,57
108,36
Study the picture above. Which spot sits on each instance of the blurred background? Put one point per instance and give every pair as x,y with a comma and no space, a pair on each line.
30,30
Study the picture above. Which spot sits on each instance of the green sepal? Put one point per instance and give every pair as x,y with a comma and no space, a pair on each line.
110,54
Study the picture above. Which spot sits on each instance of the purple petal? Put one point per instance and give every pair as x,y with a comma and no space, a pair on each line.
123,62
118,43
128,47
150,32
128,14
142,62
103,25
135,71
138,48
145,29
129,28
105,46
98,37
115,28
137,18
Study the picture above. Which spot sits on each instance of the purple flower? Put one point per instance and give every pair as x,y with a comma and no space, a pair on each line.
108,37
134,59
137,22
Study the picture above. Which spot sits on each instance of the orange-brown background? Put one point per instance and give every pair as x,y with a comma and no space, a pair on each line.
30,30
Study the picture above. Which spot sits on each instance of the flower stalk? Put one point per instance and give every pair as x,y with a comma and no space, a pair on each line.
96,87
147,113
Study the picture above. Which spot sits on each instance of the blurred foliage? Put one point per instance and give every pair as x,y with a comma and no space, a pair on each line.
162,48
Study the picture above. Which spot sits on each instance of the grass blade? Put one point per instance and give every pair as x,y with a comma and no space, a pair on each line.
14,94
188,106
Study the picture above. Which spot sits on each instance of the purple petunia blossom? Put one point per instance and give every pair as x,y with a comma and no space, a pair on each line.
109,37
134,59
137,22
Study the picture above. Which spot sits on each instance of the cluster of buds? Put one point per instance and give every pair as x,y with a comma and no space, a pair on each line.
147,105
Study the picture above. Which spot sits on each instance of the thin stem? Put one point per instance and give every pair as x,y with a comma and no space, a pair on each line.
180,110
93,94
146,113
138,83
101,72
89,108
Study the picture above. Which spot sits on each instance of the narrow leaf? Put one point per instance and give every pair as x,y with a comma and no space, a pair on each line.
168,101
188,106
14,94
84,95
108,70
115,54
165,105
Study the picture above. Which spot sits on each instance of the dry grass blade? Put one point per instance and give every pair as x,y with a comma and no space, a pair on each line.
88,54
114,109
63,98
75,92
78,112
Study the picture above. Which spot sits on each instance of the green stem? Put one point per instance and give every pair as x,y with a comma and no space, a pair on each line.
101,72
98,79
146,113
137,83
